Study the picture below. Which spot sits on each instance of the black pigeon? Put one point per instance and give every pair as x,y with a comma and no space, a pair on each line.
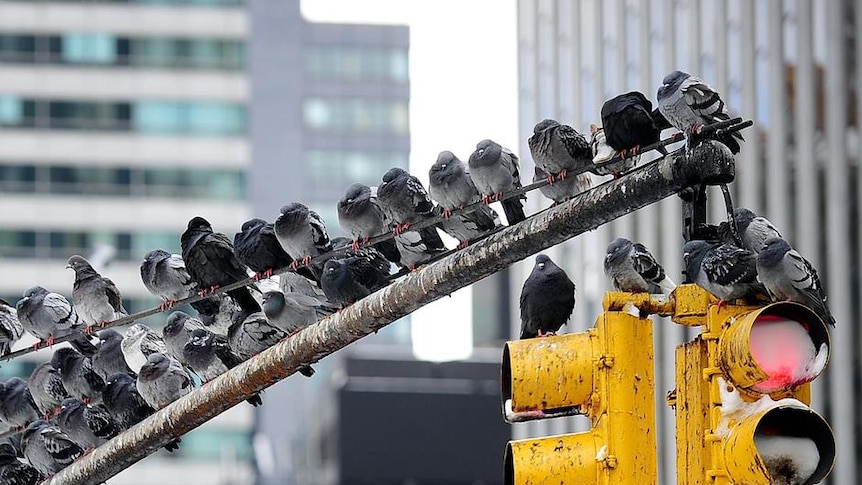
17,407
211,263
628,123
547,299
257,247
13,471
48,448
109,359
126,405
346,280
79,377
89,426
46,389
753,230
360,216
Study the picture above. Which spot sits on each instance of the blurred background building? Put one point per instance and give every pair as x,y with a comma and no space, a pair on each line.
792,66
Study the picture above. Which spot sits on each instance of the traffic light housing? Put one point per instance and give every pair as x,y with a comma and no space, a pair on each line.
743,391
605,373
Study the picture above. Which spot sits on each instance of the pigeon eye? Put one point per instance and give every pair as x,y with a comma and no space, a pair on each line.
443,167
541,265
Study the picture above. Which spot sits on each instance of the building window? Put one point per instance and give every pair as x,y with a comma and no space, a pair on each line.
203,3
339,168
356,115
89,48
357,63
61,244
11,110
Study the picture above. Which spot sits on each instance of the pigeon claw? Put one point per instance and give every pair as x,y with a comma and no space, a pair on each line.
88,330
50,341
486,199
306,260
268,273
103,324
400,228
463,244
562,175
550,178
37,345
294,265
498,196
355,244
202,293
446,213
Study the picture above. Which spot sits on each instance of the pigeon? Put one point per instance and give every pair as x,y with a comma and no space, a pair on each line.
17,408
562,190
139,343
603,154
360,216
790,277
547,299
176,333
375,257
10,327
415,251
630,267
291,312
302,234
89,426
257,247
210,356
688,103
346,280
13,471
47,448
79,377
211,263
122,399
163,380
753,230
97,299
451,186
252,335
109,359
628,124
495,170
48,315
46,389
558,149
724,270
405,202
165,276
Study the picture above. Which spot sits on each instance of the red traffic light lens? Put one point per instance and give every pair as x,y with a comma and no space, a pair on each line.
785,350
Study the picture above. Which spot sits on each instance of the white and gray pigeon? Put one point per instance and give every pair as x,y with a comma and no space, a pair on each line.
165,276
360,215
302,234
97,299
752,229
451,186
17,408
176,333
79,377
496,170
562,190
47,448
688,103
559,149
46,389
724,270
89,426
139,343
47,315
109,359
630,267
162,380
10,327
790,277
291,312
415,251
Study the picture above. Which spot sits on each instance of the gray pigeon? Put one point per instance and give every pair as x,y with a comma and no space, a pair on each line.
558,149
790,277
163,380
415,251
47,448
47,315
496,170
687,103
10,327
177,331
79,378
46,389
603,154
630,267
138,343
405,202
253,334
562,190
126,405
752,229
547,299
360,216
14,471
302,234
89,426
724,270
17,408
109,359
165,276
97,299
291,312
451,186
210,356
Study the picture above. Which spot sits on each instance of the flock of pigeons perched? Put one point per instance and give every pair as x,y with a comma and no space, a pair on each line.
89,392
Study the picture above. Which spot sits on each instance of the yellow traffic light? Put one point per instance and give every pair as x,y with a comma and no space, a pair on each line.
742,394
605,373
